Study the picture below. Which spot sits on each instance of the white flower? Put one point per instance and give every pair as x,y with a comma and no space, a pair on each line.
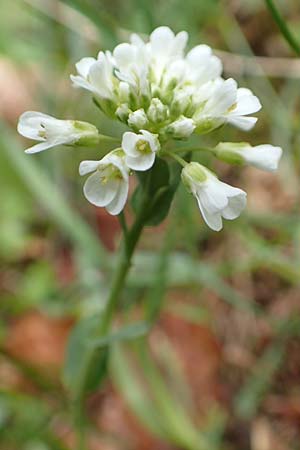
181,128
165,47
52,132
140,149
157,78
108,185
215,198
132,66
223,102
202,65
246,103
265,157
96,75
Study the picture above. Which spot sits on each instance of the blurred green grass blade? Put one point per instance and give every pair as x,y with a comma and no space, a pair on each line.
266,255
126,333
259,381
154,299
129,385
179,426
184,270
97,14
52,201
285,31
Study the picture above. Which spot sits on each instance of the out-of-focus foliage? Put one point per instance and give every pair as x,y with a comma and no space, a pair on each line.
226,365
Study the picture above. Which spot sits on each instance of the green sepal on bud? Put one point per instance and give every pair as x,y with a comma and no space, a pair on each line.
88,135
193,173
231,152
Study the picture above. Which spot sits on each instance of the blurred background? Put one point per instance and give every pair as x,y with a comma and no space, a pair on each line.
223,360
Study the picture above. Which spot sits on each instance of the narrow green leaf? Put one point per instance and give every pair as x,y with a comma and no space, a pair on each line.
126,333
163,183
84,367
131,387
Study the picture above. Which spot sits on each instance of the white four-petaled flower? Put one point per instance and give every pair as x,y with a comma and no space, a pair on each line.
108,185
223,102
215,198
96,75
140,149
52,132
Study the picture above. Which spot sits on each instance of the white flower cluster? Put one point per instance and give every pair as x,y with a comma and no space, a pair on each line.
156,87
161,93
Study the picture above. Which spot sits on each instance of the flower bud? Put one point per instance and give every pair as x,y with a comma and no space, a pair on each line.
265,157
124,91
123,112
182,128
157,111
180,103
137,119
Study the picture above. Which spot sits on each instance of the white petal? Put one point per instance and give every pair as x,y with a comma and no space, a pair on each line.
265,157
41,147
222,98
161,39
97,193
212,196
136,40
118,162
247,103
213,220
78,81
29,124
235,206
243,123
99,79
124,55
88,167
129,141
141,162
152,139
83,66
179,43
119,201
198,53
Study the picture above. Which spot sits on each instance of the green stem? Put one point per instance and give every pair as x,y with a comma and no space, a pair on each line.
104,137
192,149
283,26
128,247
177,158
130,239
123,224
